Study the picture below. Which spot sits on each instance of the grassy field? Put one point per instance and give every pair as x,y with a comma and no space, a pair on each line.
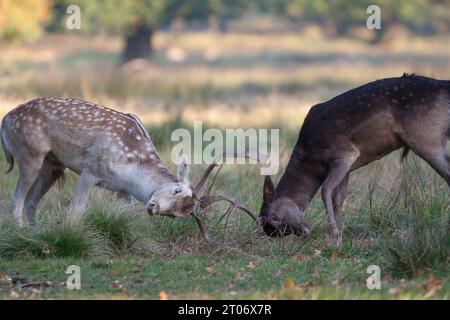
396,215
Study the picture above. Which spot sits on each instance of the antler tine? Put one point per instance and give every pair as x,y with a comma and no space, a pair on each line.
236,153
208,200
204,177
202,228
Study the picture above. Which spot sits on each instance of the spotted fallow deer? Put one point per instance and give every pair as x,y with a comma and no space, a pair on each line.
350,131
105,147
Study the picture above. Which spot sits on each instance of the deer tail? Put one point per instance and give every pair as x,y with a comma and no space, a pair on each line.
404,154
8,155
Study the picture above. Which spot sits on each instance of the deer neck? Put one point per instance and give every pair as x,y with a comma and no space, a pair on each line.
141,180
300,182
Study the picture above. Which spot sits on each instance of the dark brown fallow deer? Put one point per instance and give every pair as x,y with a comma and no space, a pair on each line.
350,131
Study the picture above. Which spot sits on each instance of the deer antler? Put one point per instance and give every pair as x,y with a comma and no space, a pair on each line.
202,228
207,200
236,153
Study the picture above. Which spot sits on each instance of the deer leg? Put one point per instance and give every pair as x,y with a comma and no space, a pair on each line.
336,174
338,198
85,183
435,154
28,174
48,175
439,160
430,145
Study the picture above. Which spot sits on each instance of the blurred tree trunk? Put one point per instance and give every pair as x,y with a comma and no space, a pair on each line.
378,36
138,45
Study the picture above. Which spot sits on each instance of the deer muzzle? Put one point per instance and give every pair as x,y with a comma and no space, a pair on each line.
178,208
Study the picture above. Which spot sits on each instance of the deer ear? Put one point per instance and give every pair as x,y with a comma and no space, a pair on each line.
183,169
269,189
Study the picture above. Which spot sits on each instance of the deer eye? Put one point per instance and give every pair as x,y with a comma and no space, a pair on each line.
177,190
275,219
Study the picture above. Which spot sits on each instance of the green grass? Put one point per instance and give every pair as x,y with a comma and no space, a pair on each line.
120,226
214,276
123,253
56,239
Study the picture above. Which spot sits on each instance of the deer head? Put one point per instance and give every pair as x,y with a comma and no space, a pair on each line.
280,216
173,199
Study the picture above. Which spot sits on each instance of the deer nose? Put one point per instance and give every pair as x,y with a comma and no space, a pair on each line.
152,208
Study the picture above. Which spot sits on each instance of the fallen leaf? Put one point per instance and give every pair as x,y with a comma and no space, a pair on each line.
393,291
432,285
289,284
163,296
317,253
117,284
300,258
14,294
251,265
5,279
334,255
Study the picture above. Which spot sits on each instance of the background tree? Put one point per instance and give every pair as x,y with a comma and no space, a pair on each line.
338,18
137,20
23,19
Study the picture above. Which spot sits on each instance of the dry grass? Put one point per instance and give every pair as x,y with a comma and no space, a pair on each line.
247,84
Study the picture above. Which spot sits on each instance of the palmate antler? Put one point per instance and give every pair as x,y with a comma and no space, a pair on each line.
207,199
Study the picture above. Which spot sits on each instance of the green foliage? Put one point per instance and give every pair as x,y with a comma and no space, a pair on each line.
418,15
23,19
116,16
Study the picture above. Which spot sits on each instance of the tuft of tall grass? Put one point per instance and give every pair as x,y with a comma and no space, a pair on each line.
413,221
114,221
52,239
108,227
